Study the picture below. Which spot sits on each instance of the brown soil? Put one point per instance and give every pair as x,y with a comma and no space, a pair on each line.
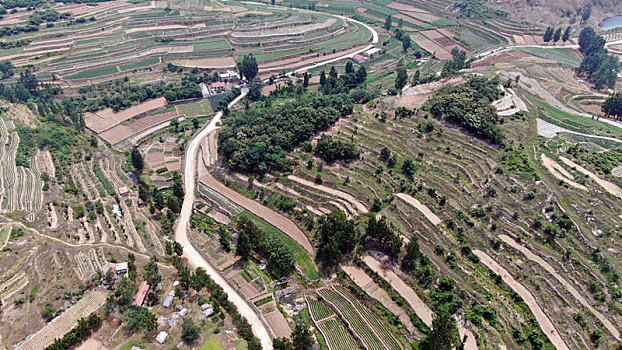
107,118
608,186
215,62
272,217
575,293
560,173
421,207
370,287
360,207
543,320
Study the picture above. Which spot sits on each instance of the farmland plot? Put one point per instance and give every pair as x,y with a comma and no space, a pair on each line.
20,187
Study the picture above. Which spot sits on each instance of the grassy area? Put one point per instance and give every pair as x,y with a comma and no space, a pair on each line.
93,73
130,343
566,56
574,122
303,260
215,45
194,109
141,64
211,343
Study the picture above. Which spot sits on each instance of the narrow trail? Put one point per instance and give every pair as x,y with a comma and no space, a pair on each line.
571,289
543,320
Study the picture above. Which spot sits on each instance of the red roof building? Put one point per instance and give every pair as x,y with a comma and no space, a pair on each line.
139,300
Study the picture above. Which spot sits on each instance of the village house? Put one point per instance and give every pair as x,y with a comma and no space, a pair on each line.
139,299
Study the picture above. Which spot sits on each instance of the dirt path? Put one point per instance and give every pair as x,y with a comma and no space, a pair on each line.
608,186
575,293
66,321
559,172
543,320
272,217
356,204
421,207
370,287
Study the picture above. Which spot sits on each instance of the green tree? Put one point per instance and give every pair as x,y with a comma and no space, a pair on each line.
402,78
305,80
587,12
613,105
137,160
254,92
248,67
409,168
349,67
189,330
566,35
283,344
301,337
337,237
333,72
384,234
140,319
557,35
548,34
388,23
244,246
406,42
322,78
413,254
151,272
444,334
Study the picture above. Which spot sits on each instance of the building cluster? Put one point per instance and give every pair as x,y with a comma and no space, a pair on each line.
367,55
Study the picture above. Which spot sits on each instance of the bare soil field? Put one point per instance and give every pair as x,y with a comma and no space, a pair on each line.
543,320
608,186
410,19
108,118
422,309
355,203
272,217
560,173
278,324
215,62
421,207
431,47
404,7
370,287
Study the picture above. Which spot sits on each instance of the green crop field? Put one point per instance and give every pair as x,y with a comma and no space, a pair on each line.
141,64
566,56
194,109
93,73
215,45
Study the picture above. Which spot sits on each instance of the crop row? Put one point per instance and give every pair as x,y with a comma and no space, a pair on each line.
318,310
372,319
337,336
353,318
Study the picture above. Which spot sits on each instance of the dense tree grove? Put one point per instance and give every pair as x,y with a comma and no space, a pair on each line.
613,105
600,68
255,140
470,105
458,62
444,334
384,235
280,256
337,237
331,149
248,67
603,162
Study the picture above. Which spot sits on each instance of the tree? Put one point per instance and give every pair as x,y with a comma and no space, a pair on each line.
7,69
384,234
413,254
416,77
613,105
151,272
337,237
566,35
548,34
587,12
406,42
349,67
189,330
283,344
333,72
401,79
273,2
301,337
322,78
137,160
409,168
140,319
248,67
388,23
557,35
244,246
254,92
444,334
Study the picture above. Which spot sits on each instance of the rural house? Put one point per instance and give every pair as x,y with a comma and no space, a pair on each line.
358,58
139,299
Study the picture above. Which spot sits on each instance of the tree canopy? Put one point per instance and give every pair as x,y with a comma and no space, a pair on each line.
600,68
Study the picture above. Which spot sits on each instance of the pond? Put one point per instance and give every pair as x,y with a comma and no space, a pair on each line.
611,22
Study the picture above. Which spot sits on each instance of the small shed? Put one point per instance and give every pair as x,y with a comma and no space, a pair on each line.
124,191
183,312
168,301
162,336
358,58
208,312
373,52
121,268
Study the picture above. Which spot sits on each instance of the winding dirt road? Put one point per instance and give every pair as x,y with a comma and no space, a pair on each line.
260,328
